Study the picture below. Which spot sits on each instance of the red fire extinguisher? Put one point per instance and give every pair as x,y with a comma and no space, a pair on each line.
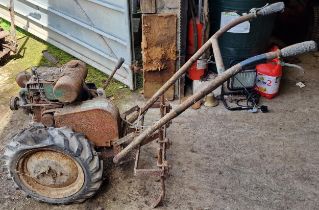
268,78
194,42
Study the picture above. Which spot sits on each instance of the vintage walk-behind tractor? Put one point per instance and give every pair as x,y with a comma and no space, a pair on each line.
58,159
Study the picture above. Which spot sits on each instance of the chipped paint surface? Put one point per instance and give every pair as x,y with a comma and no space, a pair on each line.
98,119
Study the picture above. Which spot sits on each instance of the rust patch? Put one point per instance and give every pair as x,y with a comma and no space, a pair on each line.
50,173
69,86
97,119
48,120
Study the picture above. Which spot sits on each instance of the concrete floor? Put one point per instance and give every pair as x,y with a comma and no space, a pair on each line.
220,159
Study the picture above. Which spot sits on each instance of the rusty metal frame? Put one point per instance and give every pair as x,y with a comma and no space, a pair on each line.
162,165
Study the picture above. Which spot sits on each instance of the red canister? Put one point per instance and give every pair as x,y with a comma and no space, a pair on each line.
268,78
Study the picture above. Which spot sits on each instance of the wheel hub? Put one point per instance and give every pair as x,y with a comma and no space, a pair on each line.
50,173
52,169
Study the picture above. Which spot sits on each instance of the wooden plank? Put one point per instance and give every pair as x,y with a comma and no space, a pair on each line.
153,80
158,51
158,41
148,6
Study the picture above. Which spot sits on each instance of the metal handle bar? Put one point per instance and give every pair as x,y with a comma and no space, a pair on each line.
219,80
271,9
299,48
213,41
218,58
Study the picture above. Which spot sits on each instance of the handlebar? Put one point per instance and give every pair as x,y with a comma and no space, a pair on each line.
271,9
119,63
299,48
116,67
223,77
292,50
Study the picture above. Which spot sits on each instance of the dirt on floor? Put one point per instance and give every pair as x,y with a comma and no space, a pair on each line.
219,159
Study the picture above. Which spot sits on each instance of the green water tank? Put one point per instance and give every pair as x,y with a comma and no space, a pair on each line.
247,39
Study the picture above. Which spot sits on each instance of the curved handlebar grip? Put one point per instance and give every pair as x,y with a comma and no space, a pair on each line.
299,48
273,8
119,63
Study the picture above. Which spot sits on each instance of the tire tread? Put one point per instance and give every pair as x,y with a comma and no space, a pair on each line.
74,144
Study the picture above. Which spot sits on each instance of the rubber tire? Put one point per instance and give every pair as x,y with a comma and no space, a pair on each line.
65,141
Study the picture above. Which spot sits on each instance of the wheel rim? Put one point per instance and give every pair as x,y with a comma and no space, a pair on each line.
50,173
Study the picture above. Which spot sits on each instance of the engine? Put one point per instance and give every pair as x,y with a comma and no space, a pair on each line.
52,87
59,97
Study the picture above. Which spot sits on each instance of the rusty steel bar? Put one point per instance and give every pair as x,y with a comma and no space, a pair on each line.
160,199
188,64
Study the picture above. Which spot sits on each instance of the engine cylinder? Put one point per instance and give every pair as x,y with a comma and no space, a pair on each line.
70,85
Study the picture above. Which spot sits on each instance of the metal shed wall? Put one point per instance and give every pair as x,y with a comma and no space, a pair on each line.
95,31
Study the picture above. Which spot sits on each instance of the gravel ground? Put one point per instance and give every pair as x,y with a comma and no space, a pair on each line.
219,159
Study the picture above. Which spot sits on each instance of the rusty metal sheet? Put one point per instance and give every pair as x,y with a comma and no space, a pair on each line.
98,119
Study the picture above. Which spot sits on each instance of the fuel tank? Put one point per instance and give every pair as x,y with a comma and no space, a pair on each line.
98,119
69,85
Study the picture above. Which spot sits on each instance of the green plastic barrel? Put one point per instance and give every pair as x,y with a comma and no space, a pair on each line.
246,40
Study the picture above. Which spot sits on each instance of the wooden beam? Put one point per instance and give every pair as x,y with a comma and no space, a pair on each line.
159,33
148,6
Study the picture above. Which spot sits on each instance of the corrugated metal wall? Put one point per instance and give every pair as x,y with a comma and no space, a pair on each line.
95,31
